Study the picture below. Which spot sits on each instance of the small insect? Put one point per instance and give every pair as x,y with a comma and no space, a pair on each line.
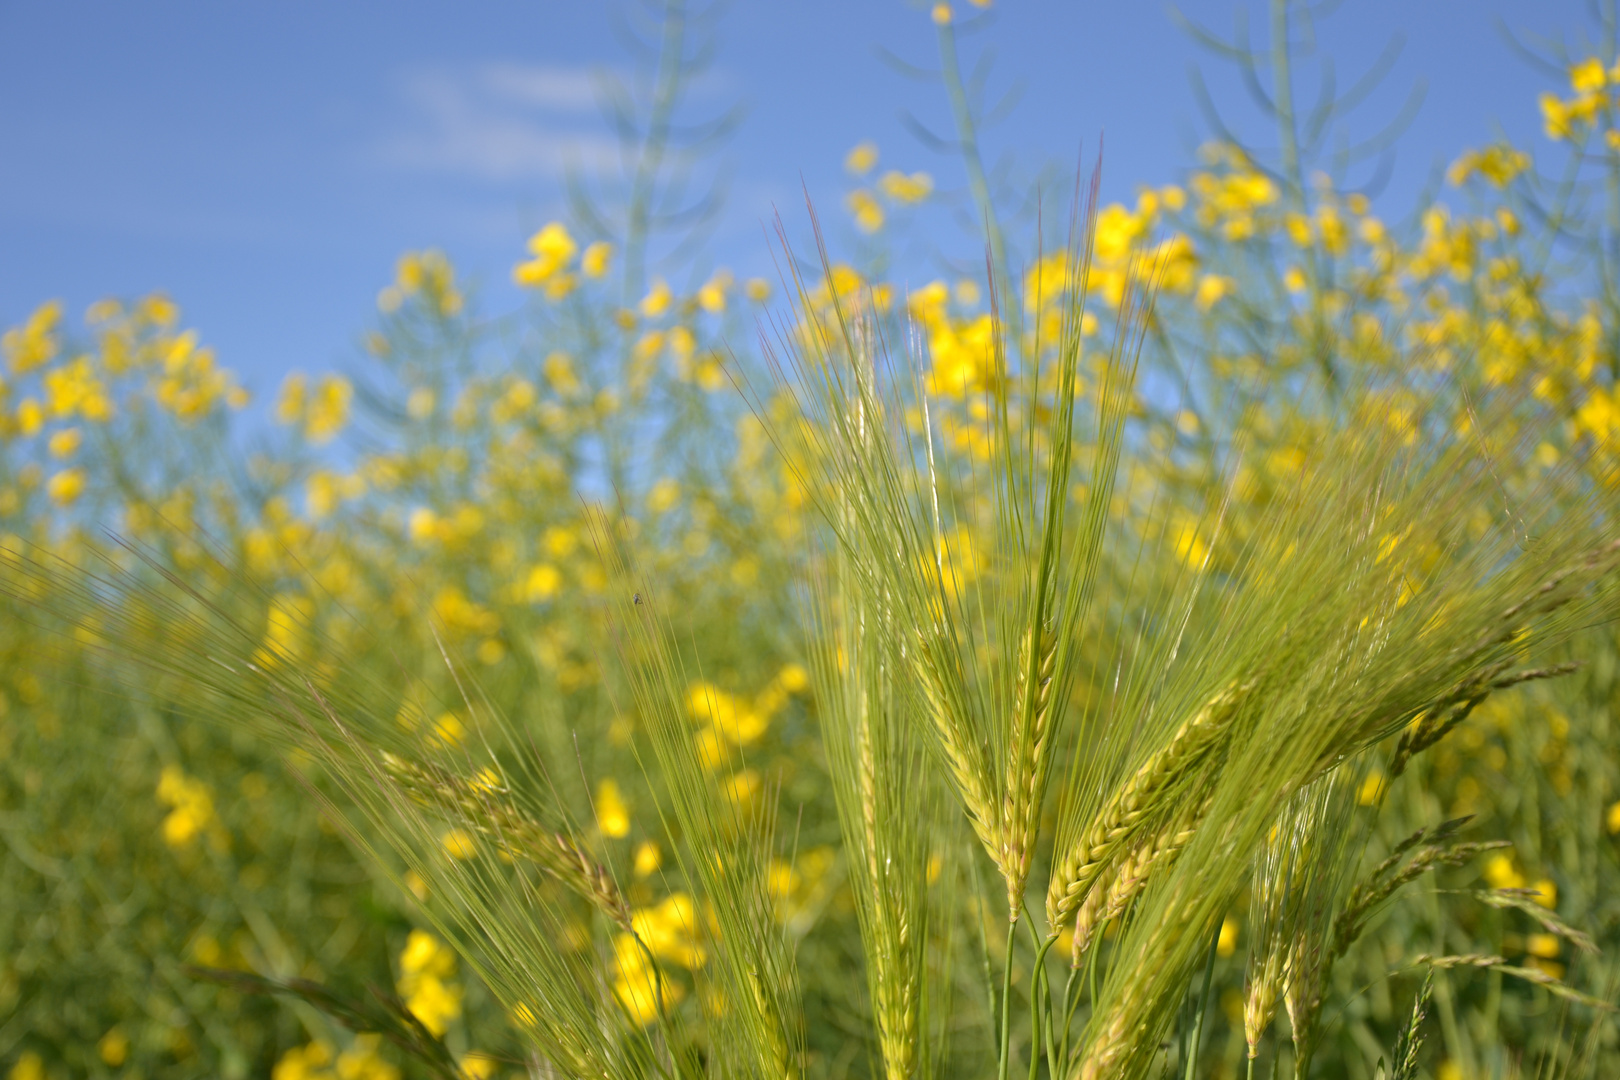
638,598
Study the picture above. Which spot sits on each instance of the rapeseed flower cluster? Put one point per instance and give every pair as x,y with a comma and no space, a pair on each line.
427,967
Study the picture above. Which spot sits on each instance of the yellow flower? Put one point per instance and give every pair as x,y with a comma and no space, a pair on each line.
906,189
286,633
758,290
941,14
671,931
33,344
1588,76
663,495
725,713
1546,893
328,409
711,296
458,844
362,1062
1226,943
862,158
657,300
1212,289
649,857
1545,946
867,212
639,990
741,788
113,1047
425,965
552,249
448,729
594,263
612,815
30,416
1612,820
29,1067
543,583
191,803
290,403
478,1066
1498,164
1556,117
793,678
1502,874
66,486
559,372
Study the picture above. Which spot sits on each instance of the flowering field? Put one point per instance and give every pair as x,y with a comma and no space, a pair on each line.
353,755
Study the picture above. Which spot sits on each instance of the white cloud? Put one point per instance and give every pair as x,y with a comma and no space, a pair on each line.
502,123
555,89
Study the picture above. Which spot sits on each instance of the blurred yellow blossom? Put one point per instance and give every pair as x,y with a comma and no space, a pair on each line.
65,443
1498,164
657,300
1212,289
543,582
113,1047
191,806
865,209
1588,76
66,486
458,844
862,158
649,857
553,249
594,263
308,1062
426,966
612,815
33,344
1502,874
361,1061
906,189
711,295
663,495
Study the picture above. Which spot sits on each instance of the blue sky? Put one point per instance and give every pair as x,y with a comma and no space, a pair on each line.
264,163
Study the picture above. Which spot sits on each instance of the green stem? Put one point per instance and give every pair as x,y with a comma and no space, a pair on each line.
1006,1002
968,138
1203,1005
1282,89
1039,1002
1071,1001
666,93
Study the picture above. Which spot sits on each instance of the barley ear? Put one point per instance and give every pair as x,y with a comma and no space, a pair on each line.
481,808
1119,819
1029,758
1113,892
